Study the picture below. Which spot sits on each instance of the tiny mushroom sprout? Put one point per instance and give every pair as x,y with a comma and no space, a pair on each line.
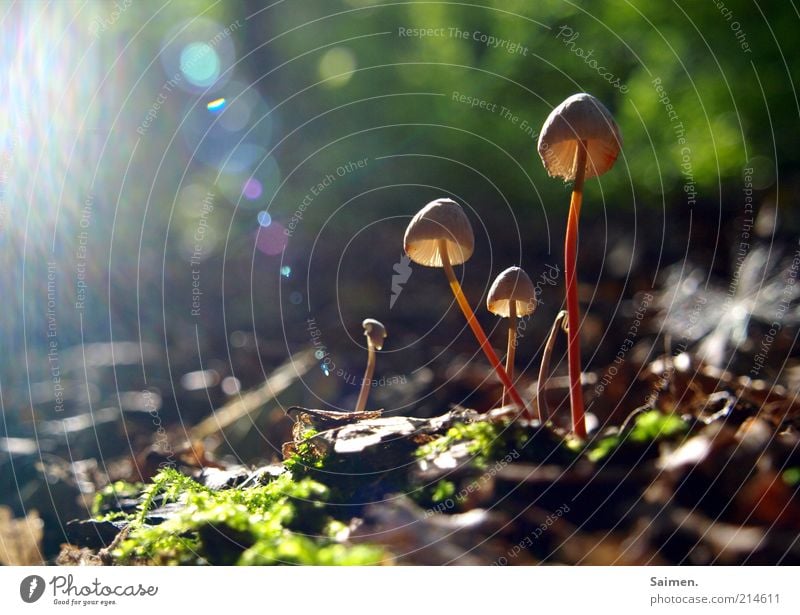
440,235
579,139
544,367
511,295
375,333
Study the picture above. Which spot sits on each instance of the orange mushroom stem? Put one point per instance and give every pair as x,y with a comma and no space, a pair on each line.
579,139
440,235
477,330
573,307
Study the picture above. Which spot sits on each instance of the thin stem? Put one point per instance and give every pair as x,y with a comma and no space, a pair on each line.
512,342
361,404
477,330
573,308
544,368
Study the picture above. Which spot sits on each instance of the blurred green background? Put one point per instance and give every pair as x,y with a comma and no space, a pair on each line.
152,150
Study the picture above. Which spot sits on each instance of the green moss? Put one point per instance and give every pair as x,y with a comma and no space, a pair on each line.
488,442
791,476
648,428
106,501
281,522
604,447
442,490
654,425
482,439
574,444
433,494
171,484
301,550
306,457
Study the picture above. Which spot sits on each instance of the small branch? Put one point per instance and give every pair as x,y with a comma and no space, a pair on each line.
544,367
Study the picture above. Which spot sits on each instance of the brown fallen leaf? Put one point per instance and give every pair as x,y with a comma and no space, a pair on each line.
766,499
20,539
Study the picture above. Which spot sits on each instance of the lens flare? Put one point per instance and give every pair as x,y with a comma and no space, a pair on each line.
216,105
336,66
198,55
264,219
252,190
200,64
272,240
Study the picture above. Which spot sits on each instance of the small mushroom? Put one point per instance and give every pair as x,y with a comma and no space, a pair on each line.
375,333
511,295
440,235
579,139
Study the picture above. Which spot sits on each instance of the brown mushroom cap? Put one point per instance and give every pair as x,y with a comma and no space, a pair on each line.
439,219
513,284
580,117
375,332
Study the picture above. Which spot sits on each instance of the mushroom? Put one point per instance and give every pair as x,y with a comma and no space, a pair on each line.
440,235
579,139
375,333
511,295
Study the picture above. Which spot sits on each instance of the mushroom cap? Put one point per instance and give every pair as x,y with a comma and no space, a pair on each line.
375,332
581,117
513,284
439,219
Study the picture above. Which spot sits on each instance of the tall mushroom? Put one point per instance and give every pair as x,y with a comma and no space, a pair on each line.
440,235
579,139
375,333
511,295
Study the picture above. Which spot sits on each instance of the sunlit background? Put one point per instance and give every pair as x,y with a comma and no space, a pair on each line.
155,151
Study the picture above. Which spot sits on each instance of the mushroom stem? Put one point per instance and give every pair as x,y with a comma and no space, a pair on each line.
512,343
544,368
477,330
361,404
573,309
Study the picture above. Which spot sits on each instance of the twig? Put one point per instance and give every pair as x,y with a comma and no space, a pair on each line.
544,368
277,382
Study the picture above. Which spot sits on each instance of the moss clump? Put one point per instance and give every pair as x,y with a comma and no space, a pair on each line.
791,476
442,490
654,425
481,450
487,442
109,501
648,428
301,550
481,440
306,455
435,494
256,525
170,484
